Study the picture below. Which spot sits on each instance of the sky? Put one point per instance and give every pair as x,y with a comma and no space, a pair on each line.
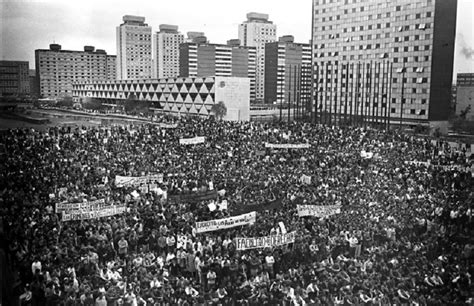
26,25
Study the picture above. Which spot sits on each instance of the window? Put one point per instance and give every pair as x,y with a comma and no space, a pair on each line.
398,8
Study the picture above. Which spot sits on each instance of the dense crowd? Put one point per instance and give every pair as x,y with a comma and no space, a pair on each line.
404,235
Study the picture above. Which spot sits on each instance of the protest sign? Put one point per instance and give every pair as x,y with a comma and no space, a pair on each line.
134,181
218,224
191,141
287,145
305,179
84,206
101,212
318,211
264,242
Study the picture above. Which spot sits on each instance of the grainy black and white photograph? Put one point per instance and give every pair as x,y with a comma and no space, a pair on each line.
293,153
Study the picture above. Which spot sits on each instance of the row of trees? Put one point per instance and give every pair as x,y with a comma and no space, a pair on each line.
132,105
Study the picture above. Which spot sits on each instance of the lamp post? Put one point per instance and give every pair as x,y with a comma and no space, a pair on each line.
402,71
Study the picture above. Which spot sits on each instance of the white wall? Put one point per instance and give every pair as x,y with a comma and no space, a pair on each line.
235,93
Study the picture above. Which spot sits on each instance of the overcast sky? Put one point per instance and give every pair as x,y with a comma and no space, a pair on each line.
26,25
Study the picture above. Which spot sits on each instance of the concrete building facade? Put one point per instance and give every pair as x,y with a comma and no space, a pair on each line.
465,95
257,31
374,60
134,49
231,60
288,73
14,78
56,69
177,96
166,55
465,79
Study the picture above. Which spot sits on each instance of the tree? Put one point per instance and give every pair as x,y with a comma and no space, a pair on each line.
93,104
464,113
65,102
219,110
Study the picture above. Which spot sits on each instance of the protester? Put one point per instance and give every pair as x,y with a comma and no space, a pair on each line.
404,233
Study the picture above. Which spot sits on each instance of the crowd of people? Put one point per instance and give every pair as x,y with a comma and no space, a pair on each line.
404,234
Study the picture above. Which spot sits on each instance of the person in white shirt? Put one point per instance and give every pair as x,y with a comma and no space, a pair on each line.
36,265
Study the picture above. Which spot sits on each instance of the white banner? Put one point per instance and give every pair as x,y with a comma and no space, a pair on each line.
191,141
287,145
305,179
168,125
265,242
215,225
366,155
318,211
93,214
133,181
84,206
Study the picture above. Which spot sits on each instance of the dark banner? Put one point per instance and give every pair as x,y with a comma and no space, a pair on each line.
269,205
194,197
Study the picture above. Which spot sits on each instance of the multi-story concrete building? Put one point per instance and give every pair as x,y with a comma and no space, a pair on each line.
195,36
203,59
166,45
465,95
57,69
134,47
111,67
465,79
14,78
178,96
257,31
288,74
383,61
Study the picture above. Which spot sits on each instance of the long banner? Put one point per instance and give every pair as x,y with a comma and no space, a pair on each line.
265,242
318,211
215,225
191,141
84,206
287,145
168,125
134,181
93,214
269,205
194,197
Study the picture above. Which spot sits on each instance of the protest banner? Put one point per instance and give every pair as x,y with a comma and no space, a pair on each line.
101,212
191,141
134,181
287,145
305,179
168,125
269,205
194,197
218,224
317,210
264,242
84,206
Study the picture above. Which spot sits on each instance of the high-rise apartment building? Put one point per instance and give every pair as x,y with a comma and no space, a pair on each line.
14,78
383,60
166,46
256,31
134,60
465,79
465,95
57,69
111,67
203,59
288,73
